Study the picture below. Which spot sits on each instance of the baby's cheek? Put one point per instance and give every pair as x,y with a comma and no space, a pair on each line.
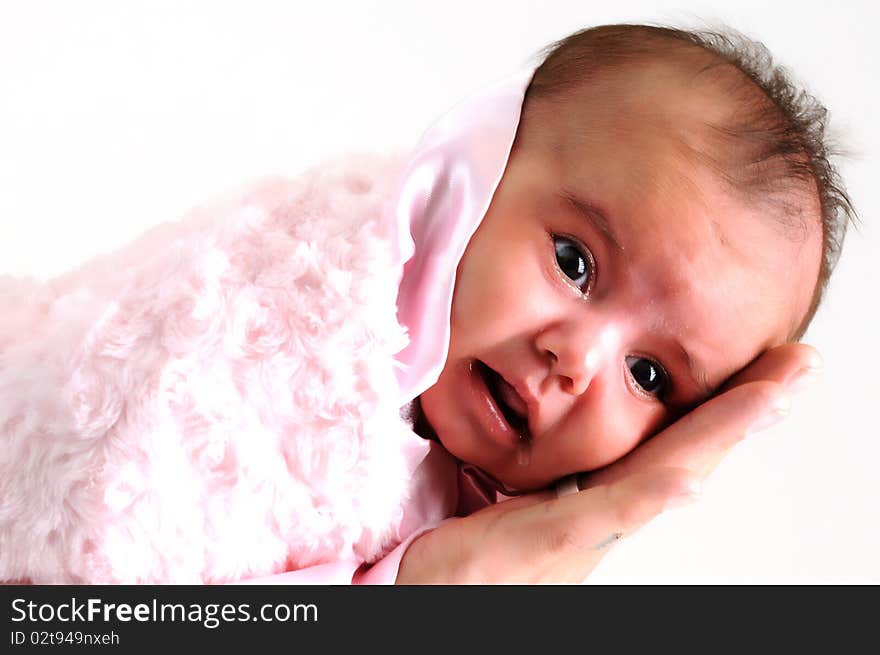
616,444
468,313
481,305
613,431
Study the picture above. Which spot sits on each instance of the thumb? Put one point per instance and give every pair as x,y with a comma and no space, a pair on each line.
572,533
585,521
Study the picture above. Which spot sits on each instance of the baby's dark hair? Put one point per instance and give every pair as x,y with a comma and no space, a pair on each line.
778,134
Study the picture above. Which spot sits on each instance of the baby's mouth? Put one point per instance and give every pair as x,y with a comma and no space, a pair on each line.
512,406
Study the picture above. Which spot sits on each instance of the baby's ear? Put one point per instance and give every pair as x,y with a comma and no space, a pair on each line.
782,364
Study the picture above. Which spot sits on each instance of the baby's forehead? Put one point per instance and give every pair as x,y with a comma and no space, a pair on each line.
645,136
672,97
679,118
685,93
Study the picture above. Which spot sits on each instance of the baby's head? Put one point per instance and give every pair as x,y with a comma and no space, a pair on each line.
667,213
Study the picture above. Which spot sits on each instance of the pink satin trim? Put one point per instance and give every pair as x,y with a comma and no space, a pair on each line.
444,192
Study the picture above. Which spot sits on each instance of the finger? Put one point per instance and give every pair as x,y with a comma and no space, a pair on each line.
575,531
698,440
784,364
696,443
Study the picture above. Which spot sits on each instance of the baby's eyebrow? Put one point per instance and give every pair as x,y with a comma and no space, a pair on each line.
697,375
593,215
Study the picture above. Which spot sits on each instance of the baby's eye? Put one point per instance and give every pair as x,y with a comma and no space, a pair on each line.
576,261
649,375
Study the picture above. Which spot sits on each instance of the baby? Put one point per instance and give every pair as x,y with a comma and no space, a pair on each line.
666,214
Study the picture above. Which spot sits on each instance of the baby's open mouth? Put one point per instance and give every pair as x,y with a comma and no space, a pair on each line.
511,404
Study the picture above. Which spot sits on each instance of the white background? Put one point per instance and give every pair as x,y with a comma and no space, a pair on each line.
116,115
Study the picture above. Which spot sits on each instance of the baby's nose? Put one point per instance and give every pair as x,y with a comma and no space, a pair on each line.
577,353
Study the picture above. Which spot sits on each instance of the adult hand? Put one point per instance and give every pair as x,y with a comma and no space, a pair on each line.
541,538
754,399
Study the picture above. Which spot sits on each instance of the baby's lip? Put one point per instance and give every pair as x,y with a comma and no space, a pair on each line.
531,403
512,397
515,394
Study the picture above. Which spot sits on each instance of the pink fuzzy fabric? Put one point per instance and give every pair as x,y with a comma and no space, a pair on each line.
216,401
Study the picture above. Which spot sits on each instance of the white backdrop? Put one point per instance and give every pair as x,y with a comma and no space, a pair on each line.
115,115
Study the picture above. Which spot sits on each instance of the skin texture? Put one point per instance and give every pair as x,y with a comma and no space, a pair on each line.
694,276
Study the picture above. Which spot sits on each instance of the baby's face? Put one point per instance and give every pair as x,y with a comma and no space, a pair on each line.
611,287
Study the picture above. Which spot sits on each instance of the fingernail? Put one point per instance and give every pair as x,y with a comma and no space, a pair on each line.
778,411
689,495
804,378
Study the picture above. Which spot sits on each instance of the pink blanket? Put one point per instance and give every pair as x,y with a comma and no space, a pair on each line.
220,400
